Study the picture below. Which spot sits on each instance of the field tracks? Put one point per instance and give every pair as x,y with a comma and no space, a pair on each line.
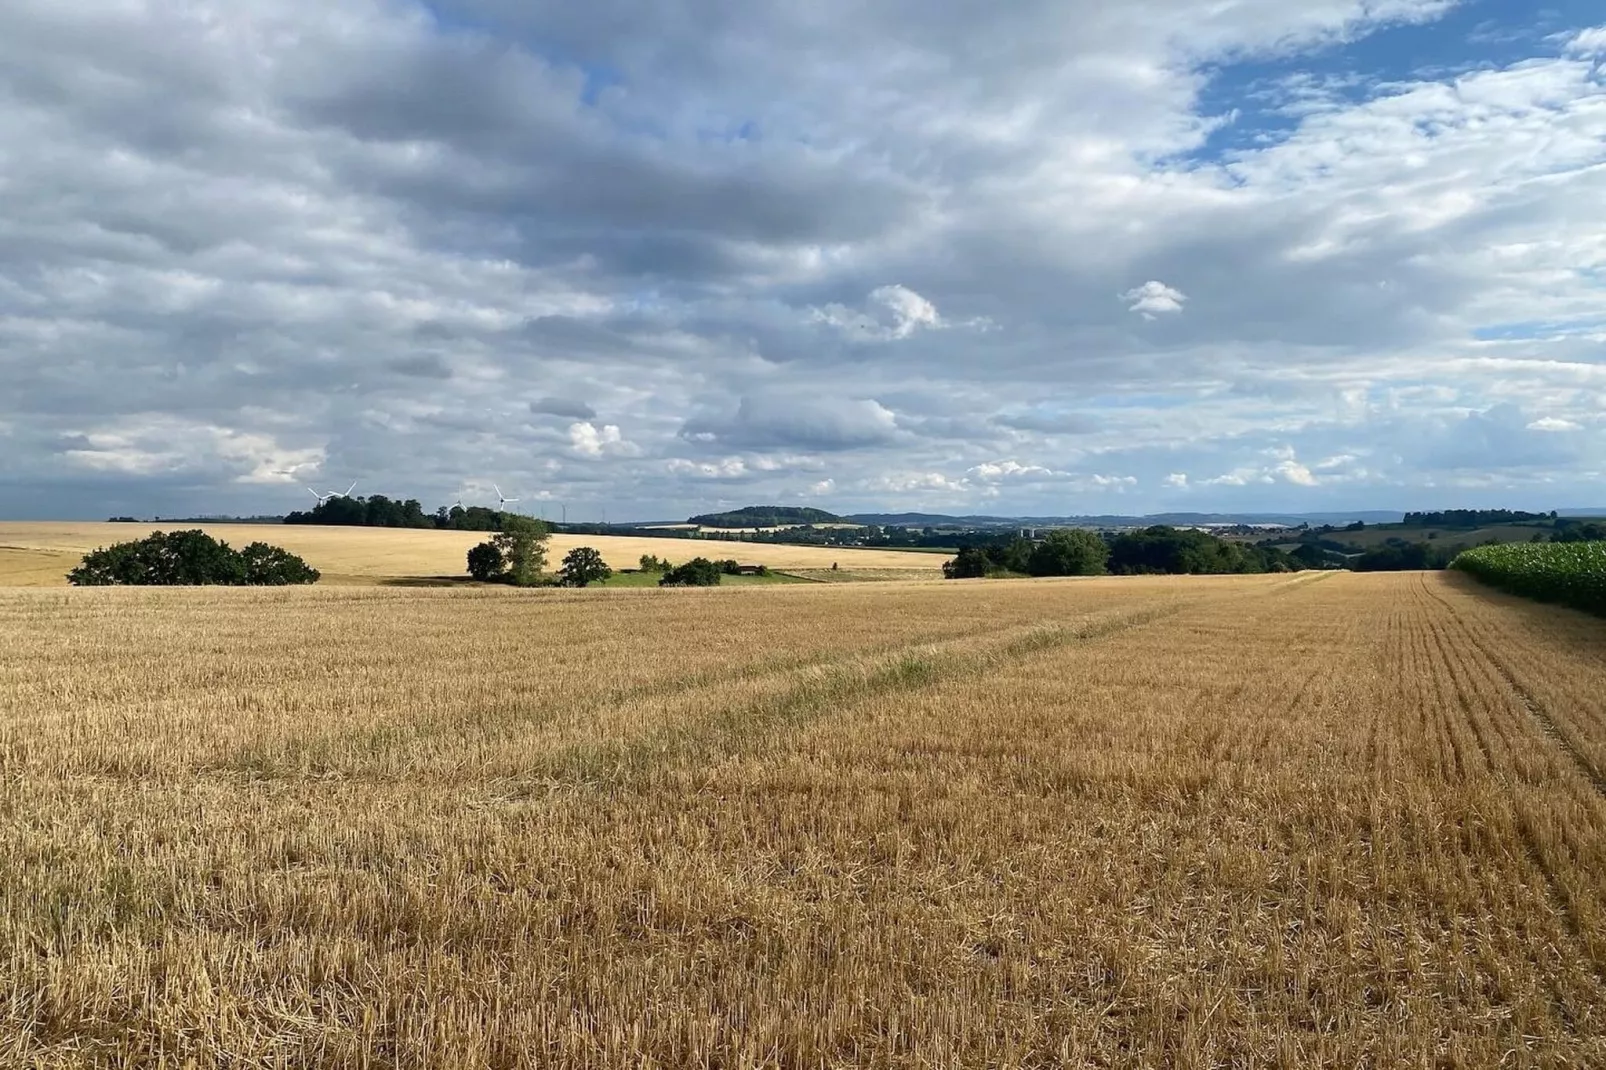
1525,697
819,690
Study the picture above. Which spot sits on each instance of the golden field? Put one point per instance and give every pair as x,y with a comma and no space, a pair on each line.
34,554
1293,821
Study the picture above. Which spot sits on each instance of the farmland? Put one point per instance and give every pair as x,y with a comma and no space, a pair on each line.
1573,574
39,554
1328,819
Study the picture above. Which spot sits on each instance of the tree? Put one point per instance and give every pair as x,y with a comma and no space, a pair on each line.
273,566
698,572
189,558
653,563
1069,552
522,543
485,562
971,563
583,565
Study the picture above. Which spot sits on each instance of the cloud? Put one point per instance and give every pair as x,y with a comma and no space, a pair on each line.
784,246
1178,480
565,407
891,313
1155,299
588,440
1590,42
774,421
161,445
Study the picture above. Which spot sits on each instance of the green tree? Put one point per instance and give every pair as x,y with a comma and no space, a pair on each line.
971,563
522,542
698,572
583,565
485,562
273,566
189,558
1069,552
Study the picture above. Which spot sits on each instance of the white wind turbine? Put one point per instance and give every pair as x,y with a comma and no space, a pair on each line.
333,494
502,500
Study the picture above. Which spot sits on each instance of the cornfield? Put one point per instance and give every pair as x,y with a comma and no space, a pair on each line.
1569,573
1287,821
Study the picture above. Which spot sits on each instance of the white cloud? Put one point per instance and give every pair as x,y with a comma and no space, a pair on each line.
1553,423
1178,480
993,471
822,488
588,440
158,444
1155,299
1590,42
727,468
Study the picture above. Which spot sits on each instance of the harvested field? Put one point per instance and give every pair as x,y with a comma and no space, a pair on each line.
1313,820
372,555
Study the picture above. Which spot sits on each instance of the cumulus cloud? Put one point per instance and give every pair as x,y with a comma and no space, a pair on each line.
588,440
1178,480
1155,299
891,313
1590,42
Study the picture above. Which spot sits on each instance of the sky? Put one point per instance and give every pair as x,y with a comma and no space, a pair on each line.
645,258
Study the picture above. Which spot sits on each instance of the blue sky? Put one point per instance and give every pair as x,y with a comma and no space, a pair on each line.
1039,257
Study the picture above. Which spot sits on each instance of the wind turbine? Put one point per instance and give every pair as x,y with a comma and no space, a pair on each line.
502,500
332,494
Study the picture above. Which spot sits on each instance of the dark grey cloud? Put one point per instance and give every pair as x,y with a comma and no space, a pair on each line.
790,423
554,406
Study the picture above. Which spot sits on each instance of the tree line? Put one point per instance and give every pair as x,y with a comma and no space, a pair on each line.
379,511
1158,550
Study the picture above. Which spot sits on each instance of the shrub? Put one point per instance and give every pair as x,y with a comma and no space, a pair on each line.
188,559
698,572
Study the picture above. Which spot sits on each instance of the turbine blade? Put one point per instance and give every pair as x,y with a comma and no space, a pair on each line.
350,489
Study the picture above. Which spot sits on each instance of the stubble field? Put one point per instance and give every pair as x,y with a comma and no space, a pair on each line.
39,554
1337,820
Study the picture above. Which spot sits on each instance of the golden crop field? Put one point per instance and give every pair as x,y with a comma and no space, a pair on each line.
1294,821
34,554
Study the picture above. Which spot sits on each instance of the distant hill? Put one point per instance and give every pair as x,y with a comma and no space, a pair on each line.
765,516
941,520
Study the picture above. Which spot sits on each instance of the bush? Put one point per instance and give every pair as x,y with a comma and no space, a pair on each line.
583,565
698,572
189,559
653,563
